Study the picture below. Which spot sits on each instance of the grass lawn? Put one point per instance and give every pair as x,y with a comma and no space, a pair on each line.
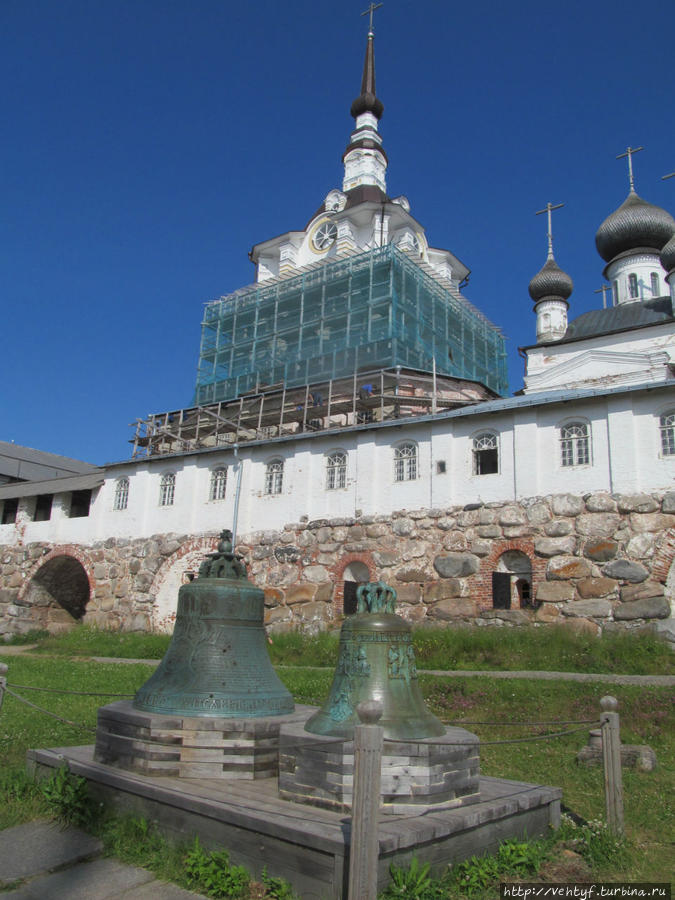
550,649
647,716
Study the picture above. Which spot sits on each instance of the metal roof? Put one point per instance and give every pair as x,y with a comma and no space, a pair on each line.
28,464
52,485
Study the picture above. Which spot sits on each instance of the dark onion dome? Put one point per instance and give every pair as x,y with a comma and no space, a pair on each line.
367,100
635,224
668,255
551,282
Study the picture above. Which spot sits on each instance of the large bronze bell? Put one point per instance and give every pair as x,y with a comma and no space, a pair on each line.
217,663
376,662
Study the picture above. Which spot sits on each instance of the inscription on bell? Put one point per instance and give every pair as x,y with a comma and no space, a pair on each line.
376,662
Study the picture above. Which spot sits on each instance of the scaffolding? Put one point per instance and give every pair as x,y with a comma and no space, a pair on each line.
378,309
358,400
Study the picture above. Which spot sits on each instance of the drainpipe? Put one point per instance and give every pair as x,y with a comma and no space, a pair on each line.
237,494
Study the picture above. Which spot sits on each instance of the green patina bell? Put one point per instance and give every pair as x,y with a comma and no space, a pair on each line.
217,663
376,662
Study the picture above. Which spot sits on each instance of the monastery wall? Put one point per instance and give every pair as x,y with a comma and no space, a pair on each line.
593,562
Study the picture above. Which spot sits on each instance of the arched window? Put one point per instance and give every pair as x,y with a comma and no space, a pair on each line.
121,493
485,454
405,462
167,489
633,286
575,444
274,476
668,434
656,289
615,293
218,483
336,470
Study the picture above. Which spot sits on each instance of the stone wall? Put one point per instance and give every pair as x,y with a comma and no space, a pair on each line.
597,561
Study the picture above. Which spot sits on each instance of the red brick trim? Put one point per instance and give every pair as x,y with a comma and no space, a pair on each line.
480,585
202,545
337,576
71,550
663,558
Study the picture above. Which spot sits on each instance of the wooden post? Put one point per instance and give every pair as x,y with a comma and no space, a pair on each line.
3,681
364,850
611,758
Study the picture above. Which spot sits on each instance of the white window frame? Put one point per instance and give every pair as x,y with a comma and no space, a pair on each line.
274,477
336,470
575,444
121,498
655,282
405,462
633,287
218,484
667,433
167,489
486,440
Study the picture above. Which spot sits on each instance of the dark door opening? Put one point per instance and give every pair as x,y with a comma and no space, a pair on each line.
501,590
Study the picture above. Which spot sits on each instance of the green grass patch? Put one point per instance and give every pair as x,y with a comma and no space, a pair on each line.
550,649
86,641
647,717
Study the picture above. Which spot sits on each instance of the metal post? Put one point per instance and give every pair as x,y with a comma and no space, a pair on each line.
365,845
3,681
611,758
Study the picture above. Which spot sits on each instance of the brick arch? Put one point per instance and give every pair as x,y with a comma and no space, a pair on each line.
58,588
71,550
337,572
664,556
480,585
164,588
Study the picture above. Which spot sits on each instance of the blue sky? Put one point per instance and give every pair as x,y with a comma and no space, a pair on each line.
148,144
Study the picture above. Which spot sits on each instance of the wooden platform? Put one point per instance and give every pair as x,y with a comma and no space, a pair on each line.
306,845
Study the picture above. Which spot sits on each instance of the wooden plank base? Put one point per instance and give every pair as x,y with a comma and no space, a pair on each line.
307,845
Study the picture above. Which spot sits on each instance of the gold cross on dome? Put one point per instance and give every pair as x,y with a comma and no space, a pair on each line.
371,9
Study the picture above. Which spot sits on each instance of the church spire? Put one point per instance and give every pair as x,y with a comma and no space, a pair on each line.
364,159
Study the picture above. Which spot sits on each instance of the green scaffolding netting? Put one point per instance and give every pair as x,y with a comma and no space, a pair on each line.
377,309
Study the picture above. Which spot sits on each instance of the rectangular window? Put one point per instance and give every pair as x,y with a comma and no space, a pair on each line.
79,504
9,511
43,508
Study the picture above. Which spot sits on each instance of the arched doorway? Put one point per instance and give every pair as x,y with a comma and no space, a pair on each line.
512,581
58,594
178,570
355,573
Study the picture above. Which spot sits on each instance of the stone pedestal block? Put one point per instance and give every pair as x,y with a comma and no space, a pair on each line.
199,747
427,774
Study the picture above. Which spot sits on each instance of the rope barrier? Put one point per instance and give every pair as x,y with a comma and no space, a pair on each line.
516,724
48,713
535,737
27,687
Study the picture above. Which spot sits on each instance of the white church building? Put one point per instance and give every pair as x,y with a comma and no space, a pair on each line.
351,423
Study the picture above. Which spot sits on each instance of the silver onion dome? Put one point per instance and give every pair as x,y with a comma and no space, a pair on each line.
551,282
668,255
634,224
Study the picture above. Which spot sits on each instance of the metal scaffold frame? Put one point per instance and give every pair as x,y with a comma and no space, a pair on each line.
360,399
378,309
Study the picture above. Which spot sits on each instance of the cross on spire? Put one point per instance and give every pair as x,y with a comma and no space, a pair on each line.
371,9
548,209
629,153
